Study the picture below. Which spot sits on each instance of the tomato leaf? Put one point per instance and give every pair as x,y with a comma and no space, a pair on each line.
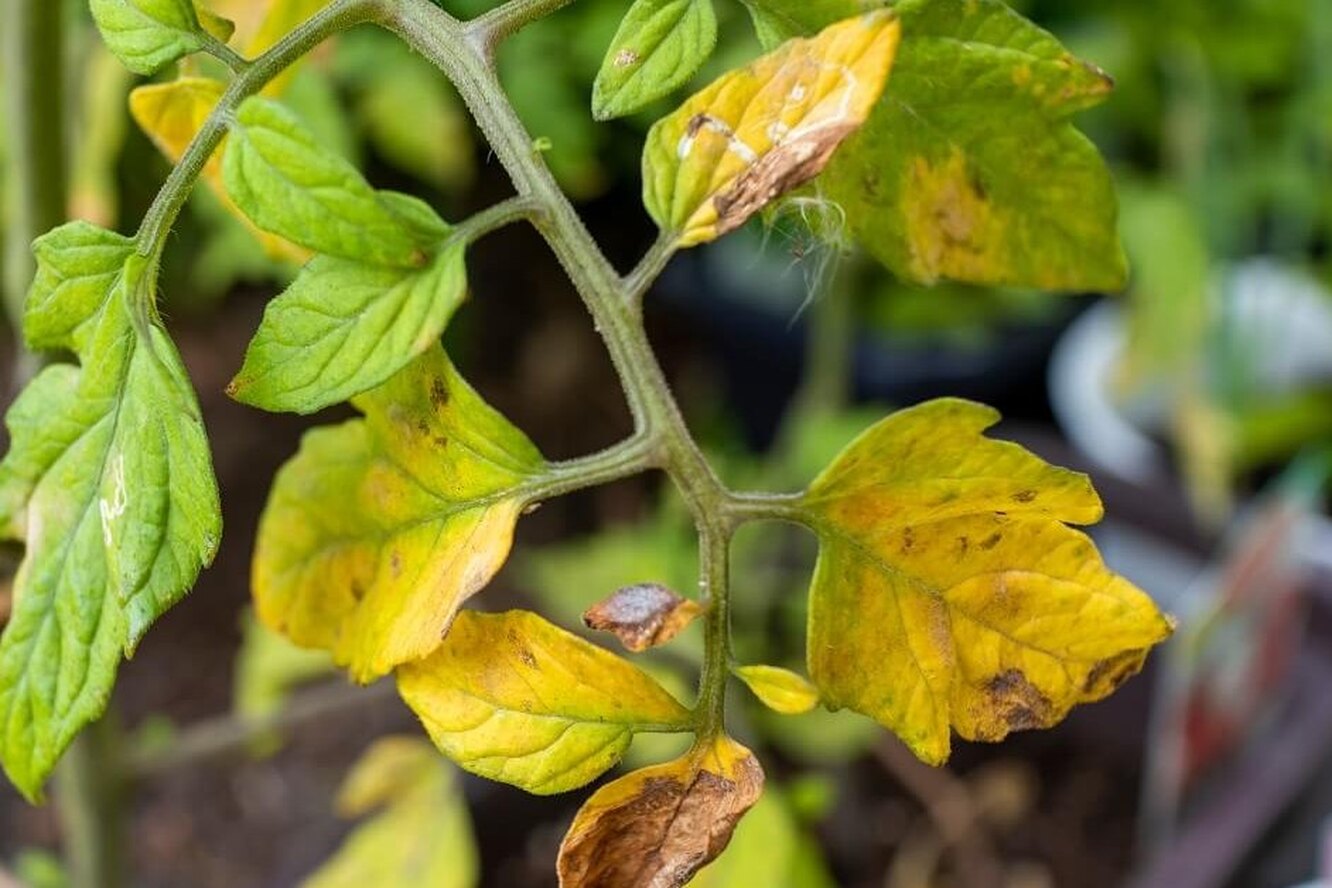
108,482
290,185
658,826
514,698
380,528
969,169
642,616
764,129
781,690
420,834
949,591
148,34
659,46
344,327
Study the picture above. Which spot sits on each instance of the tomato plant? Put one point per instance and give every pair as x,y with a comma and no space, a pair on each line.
952,593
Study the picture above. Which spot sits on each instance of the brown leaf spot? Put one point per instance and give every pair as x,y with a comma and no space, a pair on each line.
663,834
1017,703
642,616
395,563
1024,496
1107,675
950,220
787,166
991,541
439,394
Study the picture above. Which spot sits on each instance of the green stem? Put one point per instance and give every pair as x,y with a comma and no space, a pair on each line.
337,16
489,30
89,797
494,218
33,77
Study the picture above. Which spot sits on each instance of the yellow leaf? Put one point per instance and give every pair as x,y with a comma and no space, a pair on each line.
781,690
380,528
422,835
642,616
765,129
514,698
658,826
949,592
171,114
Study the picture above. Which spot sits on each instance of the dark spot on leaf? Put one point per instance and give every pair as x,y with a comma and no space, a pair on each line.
991,541
642,616
963,543
1024,496
395,563
441,442
1107,675
526,656
1018,704
908,539
439,393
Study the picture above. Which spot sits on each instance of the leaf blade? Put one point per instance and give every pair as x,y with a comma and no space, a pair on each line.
660,44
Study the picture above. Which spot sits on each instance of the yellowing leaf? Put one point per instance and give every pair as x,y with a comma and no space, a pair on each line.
762,130
380,528
781,690
421,835
658,826
171,114
514,698
949,592
642,616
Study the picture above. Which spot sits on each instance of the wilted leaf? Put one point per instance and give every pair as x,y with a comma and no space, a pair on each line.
344,327
147,34
659,46
656,827
380,528
969,168
762,130
948,591
108,482
642,616
288,184
514,698
171,114
422,833
781,690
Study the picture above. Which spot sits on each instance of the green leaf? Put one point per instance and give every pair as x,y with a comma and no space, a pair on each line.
659,46
380,528
514,698
345,327
949,591
289,185
420,834
109,483
969,169
147,34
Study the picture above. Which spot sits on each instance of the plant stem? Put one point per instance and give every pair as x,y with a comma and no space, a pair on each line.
33,77
87,781
489,30
89,796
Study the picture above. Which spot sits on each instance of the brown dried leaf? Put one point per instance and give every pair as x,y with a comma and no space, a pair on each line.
642,616
658,826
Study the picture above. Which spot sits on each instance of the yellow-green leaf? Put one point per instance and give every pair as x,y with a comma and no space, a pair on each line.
380,528
781,690
514,698
658,826
764,129
171,114
949,592
421,833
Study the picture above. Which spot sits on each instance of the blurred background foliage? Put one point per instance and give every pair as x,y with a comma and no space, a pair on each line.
1220,353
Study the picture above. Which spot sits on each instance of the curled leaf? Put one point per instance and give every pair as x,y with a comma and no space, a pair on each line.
642,616
949,592
514,698
658,826
764,129
781,690
380,528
